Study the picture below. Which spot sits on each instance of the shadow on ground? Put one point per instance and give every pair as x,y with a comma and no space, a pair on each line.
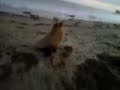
101,74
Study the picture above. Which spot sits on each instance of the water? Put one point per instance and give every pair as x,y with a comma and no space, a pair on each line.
62,9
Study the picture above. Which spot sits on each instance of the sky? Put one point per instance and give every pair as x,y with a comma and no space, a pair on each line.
107,5
101,9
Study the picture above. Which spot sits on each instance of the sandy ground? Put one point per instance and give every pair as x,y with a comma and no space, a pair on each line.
93,65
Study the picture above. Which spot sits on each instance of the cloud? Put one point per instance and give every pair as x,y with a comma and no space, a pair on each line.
96,4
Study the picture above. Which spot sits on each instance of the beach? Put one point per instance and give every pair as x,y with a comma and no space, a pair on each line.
93,63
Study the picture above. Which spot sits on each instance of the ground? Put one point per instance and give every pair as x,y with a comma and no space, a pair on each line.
93,63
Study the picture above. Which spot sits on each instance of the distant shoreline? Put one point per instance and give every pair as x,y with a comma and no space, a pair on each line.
22,14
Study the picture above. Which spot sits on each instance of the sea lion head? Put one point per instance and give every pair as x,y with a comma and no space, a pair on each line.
57,26
60,24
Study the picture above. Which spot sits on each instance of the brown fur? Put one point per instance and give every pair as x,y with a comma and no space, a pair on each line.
54,38
56,35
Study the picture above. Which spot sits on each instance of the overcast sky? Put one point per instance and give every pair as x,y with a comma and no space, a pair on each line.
108,5
102,9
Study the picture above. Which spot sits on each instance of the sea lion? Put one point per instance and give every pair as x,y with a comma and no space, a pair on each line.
53,39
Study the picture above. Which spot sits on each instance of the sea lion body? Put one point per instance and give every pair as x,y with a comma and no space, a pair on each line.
54,38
